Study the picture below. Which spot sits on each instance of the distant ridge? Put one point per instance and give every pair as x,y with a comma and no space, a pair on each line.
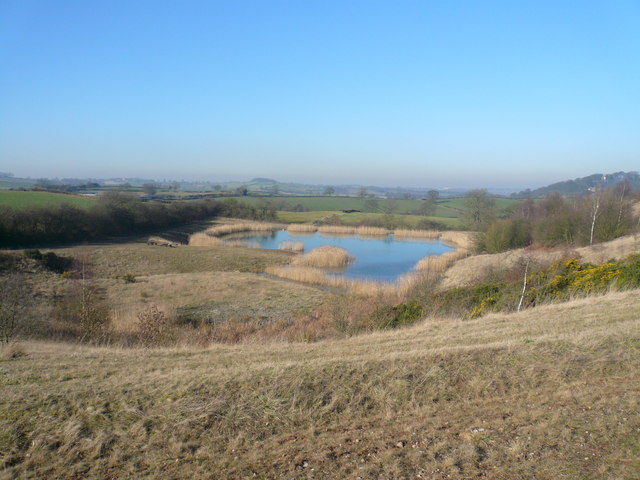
582,185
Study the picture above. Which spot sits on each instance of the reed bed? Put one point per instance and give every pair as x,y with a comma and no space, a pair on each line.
326,256
372,231
439,263
221,230
411,233
302,228
464,240
242,243
347,230
315,276
290,246
359,287
339,229
202,239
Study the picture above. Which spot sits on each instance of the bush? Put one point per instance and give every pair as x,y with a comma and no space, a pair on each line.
50,260
152,325
129,278
397,316
504,235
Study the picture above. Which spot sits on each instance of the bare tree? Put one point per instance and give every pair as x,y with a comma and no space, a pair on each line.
479,209
595,207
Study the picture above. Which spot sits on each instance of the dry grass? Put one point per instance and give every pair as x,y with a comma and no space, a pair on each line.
440,263
348,230
142,260
326,256
221,230
290,246
212,236
201,239
339,229
302,228
372,231
412,233
459,239
472,269
358,287
547,393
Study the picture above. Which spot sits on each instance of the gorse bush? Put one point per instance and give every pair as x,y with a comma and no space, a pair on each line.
563,280
398,315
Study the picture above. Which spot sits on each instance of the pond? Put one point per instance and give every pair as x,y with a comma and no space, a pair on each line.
382,258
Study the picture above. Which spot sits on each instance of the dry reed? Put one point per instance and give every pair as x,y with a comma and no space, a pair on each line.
290,246
201,239
372,231
326,256
406,233
211,236
340,229
221,230
439,263
302,227
454,238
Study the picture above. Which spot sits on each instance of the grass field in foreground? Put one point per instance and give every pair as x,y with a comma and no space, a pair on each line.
549,393
22,199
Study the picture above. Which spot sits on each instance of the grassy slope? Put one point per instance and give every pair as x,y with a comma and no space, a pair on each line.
548,393
141,259
19,199
221,284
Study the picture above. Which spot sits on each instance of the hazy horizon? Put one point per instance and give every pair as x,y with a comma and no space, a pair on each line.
497,95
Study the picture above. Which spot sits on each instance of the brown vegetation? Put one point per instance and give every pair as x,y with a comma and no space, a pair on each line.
291,246
302,228
326,256
472,269
413,233
221,230
545,393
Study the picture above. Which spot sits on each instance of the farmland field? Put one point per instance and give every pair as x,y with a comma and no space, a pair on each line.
21,199
448,211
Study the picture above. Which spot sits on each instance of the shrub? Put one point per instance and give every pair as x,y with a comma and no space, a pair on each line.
396,316
129,278
152,325
50,260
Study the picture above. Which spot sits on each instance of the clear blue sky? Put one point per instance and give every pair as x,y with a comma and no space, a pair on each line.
442,93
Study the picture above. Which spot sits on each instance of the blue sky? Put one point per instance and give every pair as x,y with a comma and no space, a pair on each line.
415,93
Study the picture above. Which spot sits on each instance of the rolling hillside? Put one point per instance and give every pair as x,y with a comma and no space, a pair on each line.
551,392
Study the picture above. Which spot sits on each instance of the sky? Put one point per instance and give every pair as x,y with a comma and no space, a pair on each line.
407,93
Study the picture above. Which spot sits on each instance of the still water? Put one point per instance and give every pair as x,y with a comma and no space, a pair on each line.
377,258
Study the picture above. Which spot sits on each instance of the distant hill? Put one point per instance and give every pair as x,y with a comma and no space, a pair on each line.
582,185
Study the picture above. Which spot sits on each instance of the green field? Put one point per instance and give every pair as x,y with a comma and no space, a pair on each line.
448,211
22,199
410,221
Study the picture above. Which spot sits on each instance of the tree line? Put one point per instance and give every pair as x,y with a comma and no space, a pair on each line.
599,216
114,214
